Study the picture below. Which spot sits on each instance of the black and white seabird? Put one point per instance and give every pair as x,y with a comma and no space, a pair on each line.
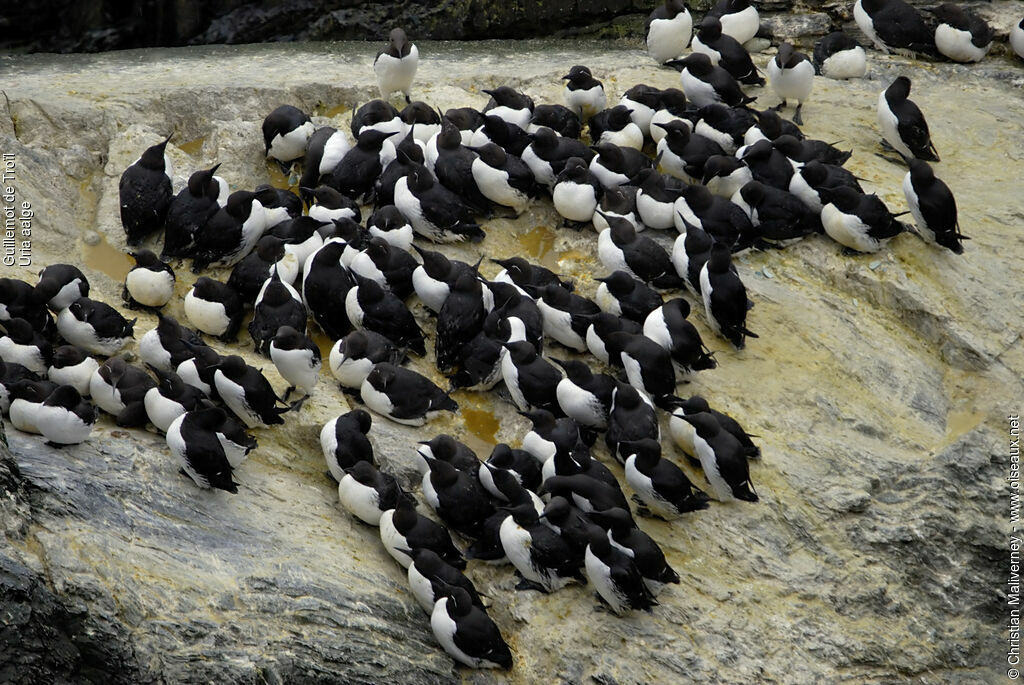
366,492
457,496
723,459
543,558
565,315
434,211
659,484
467,633
150,283
622,295
119,389
404,396
190,209
431,576
638,545
145,192
59,285
344,441
369,306
631,418
64,418
902,123
94,326
169,399
705,83
576,192
667,30
353,356
21,344
725,51
838,56
192,439
893,25
933,207
791,75
859,222
531,380
682,432
214,308
725,297
621,248
71,366
615,577
297,359
277,305
667,326
739,18
583,93
584,396
615,126
248,393
403,528
286,133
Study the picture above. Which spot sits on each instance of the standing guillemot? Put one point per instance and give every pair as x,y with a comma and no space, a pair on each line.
344,441
583,93
791,75
667,30
933,207
725,297
145,192
297,359
902,123
722,458
395,65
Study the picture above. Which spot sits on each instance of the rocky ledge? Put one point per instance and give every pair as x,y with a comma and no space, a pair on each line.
879,387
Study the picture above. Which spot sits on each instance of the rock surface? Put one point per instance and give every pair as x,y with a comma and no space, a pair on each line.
879,387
